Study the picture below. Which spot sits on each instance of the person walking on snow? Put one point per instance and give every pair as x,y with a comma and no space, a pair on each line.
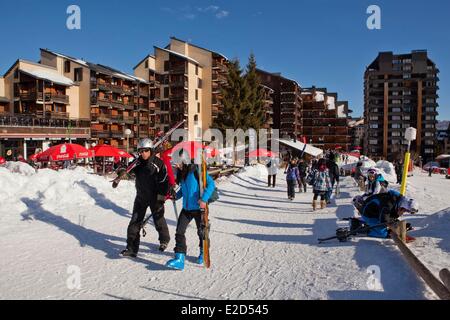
151,190
333,171
193,208
303,171
292,177
321,184
272,170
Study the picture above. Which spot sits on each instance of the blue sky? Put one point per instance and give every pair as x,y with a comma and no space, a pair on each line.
323,42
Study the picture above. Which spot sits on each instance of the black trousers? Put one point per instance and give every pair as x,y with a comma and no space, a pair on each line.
271,177
291,188
183,222
134,228
322,194
302,183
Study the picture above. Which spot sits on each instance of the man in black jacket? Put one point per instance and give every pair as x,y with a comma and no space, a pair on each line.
333,171
152,186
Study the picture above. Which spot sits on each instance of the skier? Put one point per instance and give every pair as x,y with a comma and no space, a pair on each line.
333,170
272,170
303,171
322,184
398,171
151,188
292,177
375,183
193,205
385,208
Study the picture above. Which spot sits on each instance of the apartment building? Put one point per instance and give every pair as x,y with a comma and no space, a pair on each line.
357,132
325,119
190,79
38,106
113,100
287,103
400,91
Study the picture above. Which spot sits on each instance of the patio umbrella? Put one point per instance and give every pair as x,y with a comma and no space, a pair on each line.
63,152
262,153
192,149
107,151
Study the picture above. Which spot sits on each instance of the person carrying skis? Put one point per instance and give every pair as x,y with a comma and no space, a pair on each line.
333,171
151,190
321,184
272,170
193,205
303,171
385,208
292,177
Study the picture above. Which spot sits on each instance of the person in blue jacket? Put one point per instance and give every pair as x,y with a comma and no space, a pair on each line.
193,207
385,208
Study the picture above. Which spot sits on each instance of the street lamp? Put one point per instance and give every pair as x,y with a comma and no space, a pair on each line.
127,133
93,144
410,135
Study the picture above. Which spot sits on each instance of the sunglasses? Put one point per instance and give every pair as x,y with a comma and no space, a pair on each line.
144,150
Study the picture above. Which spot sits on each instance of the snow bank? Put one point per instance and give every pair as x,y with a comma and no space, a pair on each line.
387,169
20,167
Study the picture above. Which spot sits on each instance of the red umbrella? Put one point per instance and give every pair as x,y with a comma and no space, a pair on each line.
105,150
192,148
62,152
2,160
262,153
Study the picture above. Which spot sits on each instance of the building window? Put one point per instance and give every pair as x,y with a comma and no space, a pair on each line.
396,118
166,92
198,107
373,126
396,126
396,110
200,83
396,101
196,94
196,119
78,75
146,64
196,70
396,134
373,118
166,65
429,134
373,142
67,66
16,74
429,151
407,76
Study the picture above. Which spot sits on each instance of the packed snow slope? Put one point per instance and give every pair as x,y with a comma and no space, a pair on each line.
263,246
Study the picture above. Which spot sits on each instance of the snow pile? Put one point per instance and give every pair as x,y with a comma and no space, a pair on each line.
20,167
257,171
387,169
366,164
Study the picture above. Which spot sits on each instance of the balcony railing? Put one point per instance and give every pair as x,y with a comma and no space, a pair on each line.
128,120
117,118
117,134
183,84
100,133
179,96
116,88
103,86
178,69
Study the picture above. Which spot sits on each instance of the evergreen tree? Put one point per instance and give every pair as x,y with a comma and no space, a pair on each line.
235,100
254,110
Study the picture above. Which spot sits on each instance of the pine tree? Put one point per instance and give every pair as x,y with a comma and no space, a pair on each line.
254,112
235,100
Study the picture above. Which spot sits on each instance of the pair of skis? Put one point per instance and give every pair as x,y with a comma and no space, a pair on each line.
343,234
156,144
205,225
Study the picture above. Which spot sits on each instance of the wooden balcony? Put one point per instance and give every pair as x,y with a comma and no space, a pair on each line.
116,118
117,134
128,120
178,69
116,88
179,96
179,84
100,133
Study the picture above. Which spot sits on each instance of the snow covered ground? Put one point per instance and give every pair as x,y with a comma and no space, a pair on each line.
262,245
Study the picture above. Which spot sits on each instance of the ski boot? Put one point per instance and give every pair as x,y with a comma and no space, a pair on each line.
128,253
200,257
314,205
323,204
163,246
177,263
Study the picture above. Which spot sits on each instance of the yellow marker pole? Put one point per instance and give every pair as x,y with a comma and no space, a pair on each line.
410,135
405,172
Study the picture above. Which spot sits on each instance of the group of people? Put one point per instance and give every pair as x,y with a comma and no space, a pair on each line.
155,184
379,207
321,174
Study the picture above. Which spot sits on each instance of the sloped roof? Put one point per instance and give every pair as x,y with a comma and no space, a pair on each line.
45,73
179,55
